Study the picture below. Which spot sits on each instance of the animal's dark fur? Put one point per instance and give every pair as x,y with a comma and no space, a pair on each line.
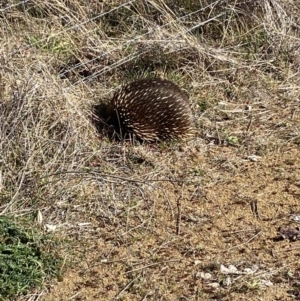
153,109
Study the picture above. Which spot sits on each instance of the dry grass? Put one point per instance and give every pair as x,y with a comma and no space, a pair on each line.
157,222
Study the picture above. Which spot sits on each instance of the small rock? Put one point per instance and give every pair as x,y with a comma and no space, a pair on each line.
266,282
253,158
205,276
214,285
50,228
230,270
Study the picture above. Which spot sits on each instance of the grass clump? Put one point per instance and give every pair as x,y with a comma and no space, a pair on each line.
24,265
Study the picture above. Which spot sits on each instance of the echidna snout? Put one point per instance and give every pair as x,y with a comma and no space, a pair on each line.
153,109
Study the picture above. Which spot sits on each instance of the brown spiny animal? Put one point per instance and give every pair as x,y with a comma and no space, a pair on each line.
153,109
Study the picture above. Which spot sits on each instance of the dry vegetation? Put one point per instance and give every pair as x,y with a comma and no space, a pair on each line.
216,218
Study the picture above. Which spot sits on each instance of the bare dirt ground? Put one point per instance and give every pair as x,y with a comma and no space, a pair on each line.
234,219
213,218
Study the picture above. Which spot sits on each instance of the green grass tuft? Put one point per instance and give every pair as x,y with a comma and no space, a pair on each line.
23,263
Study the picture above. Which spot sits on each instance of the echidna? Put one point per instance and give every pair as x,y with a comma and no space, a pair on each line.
153,109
